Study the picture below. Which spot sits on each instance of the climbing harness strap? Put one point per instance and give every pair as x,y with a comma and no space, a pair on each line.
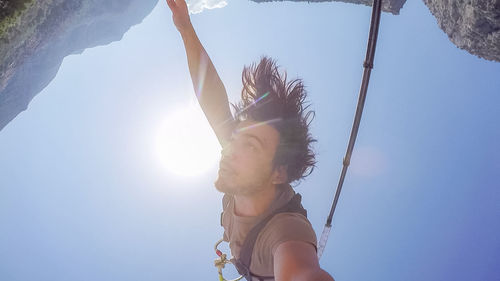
368,65
243,263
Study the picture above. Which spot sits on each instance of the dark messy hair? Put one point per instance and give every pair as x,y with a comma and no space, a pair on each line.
268,97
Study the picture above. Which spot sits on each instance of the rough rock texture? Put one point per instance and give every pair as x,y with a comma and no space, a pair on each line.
36,35
473,25
391,6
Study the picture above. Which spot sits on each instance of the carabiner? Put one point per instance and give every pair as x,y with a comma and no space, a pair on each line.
221,262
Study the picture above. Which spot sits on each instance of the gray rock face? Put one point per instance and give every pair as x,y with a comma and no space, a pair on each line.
36,35
473,25
390,6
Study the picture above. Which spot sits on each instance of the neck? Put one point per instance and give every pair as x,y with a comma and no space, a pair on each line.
254,204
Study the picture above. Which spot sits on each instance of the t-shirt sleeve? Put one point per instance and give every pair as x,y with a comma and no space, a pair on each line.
287,227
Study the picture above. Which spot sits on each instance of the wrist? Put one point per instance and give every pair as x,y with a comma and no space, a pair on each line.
187,30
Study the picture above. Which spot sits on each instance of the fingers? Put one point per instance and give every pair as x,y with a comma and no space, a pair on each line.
171,4
175,5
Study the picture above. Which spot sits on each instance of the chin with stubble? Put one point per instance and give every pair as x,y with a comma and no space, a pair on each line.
222,184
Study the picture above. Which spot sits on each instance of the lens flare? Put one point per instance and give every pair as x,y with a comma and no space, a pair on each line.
267,122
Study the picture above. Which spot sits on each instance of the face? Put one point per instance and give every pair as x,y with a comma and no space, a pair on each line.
246,165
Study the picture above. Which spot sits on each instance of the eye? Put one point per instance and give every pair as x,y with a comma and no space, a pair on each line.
250,145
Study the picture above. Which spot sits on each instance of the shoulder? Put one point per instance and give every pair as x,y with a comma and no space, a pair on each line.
285,227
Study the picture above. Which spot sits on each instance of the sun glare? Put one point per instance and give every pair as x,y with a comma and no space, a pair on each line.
185,143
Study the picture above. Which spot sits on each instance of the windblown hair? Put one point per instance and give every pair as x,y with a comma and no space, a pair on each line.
268,97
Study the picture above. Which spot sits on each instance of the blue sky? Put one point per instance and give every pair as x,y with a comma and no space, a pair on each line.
86,195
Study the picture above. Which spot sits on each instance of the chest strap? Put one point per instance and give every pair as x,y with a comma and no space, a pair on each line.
243,263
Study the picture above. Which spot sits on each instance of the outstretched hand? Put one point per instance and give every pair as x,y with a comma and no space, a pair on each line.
180,14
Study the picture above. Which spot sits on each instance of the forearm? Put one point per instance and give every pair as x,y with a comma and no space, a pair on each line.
207,84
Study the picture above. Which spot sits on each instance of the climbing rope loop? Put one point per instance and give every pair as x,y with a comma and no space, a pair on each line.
221,262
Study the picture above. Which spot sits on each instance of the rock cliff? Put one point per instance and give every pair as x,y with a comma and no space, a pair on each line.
35,36
473,25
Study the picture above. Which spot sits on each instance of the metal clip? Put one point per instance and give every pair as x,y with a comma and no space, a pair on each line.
221,262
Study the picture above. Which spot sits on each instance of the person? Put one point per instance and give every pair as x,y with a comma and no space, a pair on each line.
265,147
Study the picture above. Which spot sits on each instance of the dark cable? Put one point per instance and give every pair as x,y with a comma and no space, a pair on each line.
367,65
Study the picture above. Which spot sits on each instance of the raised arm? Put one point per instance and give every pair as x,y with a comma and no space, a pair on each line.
207,84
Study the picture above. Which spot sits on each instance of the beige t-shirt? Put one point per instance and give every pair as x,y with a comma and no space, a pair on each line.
282,227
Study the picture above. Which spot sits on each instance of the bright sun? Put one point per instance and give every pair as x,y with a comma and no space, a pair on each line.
185,143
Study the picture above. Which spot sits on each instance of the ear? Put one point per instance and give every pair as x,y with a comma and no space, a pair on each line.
280,175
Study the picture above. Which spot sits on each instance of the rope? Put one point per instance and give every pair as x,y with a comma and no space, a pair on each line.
368,65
